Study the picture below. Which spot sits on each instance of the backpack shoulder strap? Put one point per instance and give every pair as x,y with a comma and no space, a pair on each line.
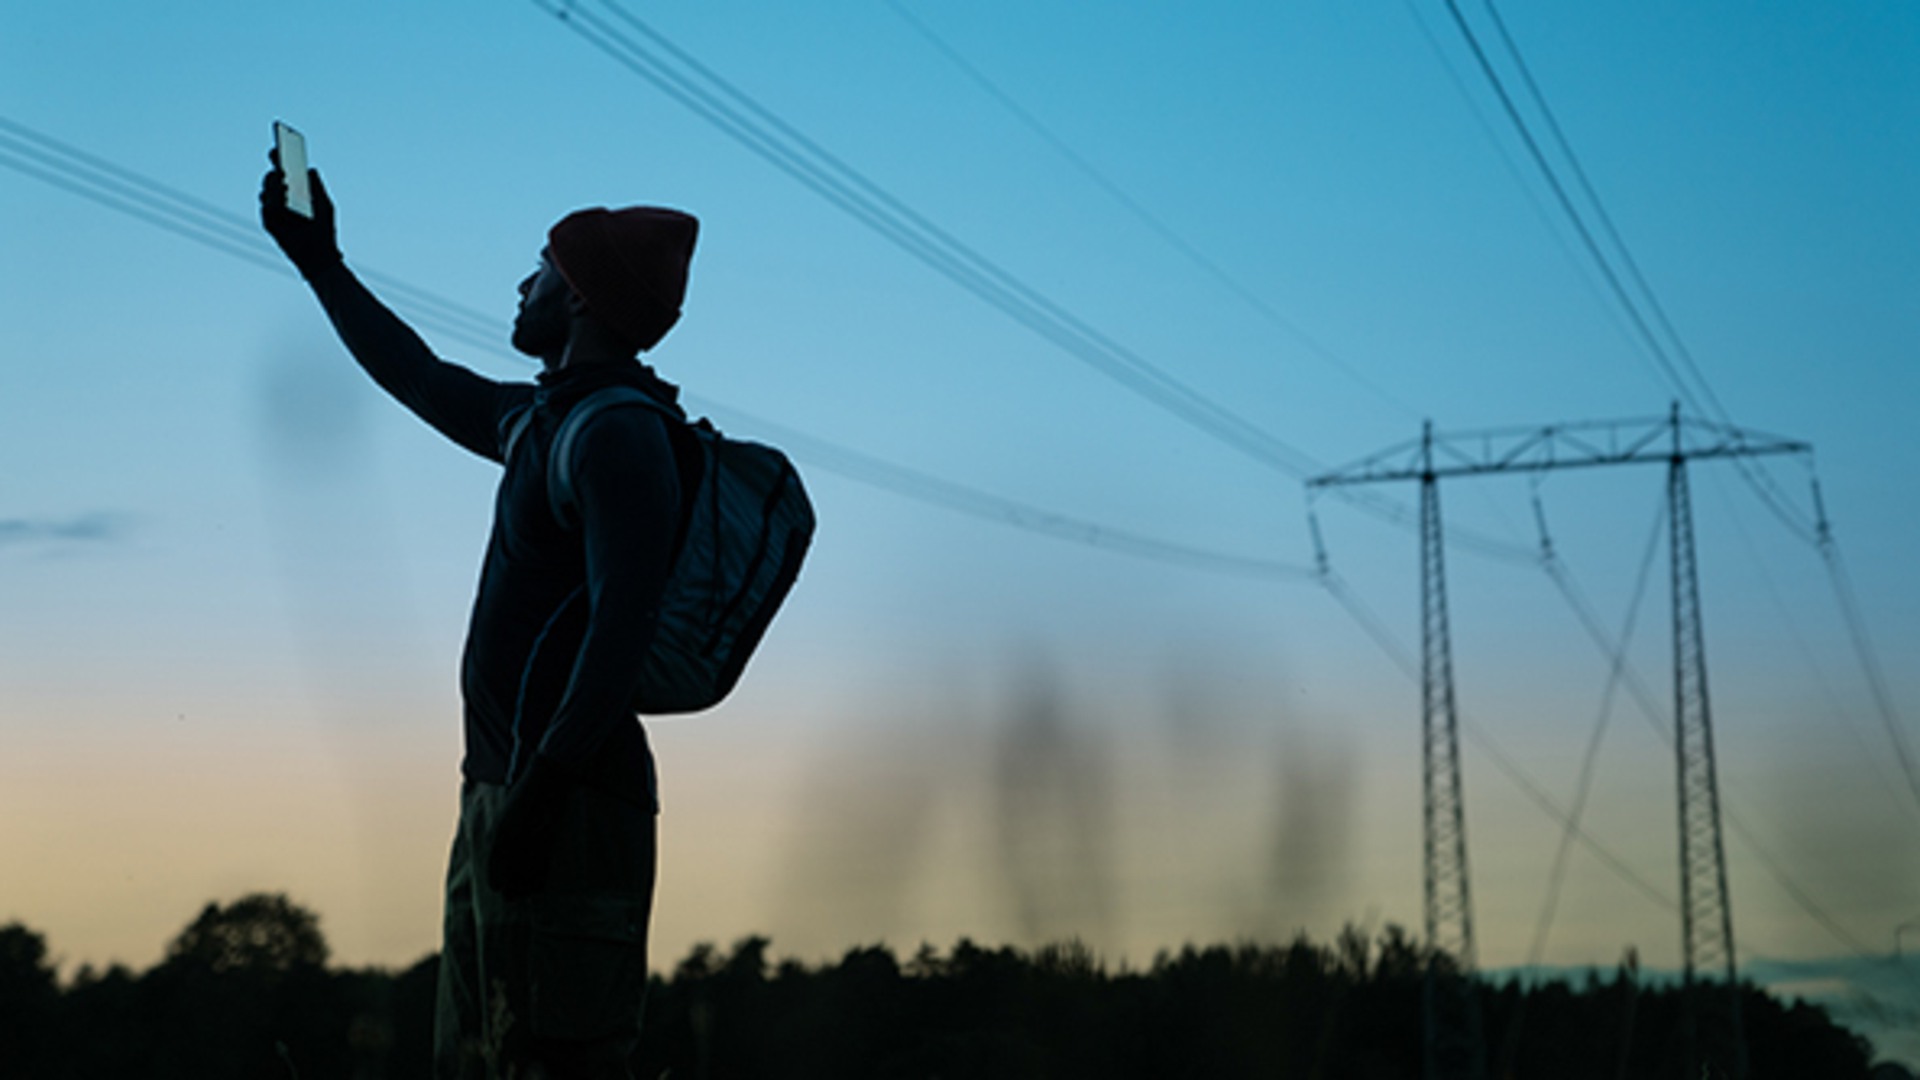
513,425
560,494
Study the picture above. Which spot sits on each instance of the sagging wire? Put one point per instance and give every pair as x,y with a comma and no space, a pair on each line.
1862,645
1556,876
1382,637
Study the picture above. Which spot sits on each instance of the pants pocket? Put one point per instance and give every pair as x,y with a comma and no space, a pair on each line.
588,965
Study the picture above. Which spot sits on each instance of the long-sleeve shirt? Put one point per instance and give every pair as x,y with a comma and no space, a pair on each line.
562,615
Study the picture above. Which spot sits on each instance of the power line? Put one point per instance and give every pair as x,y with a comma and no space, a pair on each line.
1513,169
1158,225
1218,274
1755,474
1910,798
682,77
1557,875
118,188
767,135
71,169
1642,696
45,159
1587,240
925,487
1600,210
1377,631
1863,648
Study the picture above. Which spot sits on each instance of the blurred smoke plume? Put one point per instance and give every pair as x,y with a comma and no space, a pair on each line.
1054,810
1309,836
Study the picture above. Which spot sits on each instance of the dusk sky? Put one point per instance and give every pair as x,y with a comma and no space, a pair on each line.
234,577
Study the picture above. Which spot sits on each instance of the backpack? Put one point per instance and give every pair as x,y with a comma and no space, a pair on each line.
743,534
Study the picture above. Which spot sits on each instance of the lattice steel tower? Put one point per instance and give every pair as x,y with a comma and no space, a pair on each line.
1714,1042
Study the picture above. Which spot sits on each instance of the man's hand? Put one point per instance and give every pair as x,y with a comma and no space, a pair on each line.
524,837
308,242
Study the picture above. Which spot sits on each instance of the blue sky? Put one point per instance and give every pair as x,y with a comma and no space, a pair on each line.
233,577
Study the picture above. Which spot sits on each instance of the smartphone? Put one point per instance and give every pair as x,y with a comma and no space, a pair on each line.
293,161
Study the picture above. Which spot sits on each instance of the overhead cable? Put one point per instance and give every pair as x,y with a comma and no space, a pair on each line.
1907,793
1691,383
696,86
1863,648
1573,215
1512,166
1619,242
51,161
1556,877
1543,925
925,487
1187,249
1388,644
1643,698
118,188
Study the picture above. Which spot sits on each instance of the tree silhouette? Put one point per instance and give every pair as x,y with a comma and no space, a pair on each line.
244,993
28,996
262,934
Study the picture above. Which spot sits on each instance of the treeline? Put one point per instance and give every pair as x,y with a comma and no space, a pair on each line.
245,992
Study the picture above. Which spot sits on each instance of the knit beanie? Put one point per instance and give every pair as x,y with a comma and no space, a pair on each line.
629,266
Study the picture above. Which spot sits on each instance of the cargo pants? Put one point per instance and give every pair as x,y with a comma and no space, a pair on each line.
551,986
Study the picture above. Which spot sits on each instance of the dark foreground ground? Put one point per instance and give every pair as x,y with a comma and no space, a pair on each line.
245,993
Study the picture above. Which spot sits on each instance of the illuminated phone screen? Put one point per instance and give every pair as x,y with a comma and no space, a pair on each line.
293,161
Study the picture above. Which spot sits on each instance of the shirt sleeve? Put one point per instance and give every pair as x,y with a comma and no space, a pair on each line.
457,402
628,493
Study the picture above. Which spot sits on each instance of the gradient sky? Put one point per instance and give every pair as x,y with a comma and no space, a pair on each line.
234,578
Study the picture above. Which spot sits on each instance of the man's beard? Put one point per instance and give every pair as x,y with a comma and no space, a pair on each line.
536,341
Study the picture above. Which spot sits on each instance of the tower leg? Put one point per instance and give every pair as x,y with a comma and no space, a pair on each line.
1453,1044
1715,1041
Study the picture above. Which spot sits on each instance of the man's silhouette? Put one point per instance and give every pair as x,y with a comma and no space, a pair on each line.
550,882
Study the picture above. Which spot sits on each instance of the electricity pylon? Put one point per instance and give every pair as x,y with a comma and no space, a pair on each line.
1715,1043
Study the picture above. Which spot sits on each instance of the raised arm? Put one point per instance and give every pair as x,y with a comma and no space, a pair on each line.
459,403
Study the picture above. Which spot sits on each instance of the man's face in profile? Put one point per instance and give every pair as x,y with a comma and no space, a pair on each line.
540,327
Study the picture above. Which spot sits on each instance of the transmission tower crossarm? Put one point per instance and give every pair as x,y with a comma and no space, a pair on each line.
1578,444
